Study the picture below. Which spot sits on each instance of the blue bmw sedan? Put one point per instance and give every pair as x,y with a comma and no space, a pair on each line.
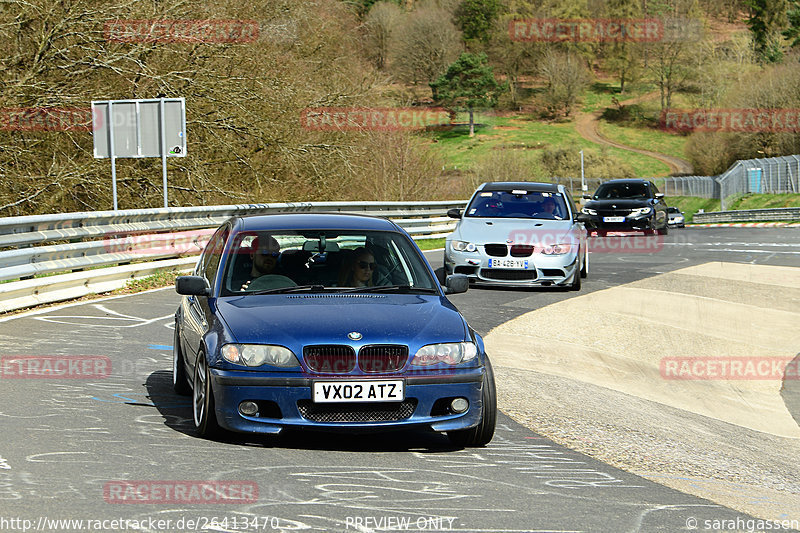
327,321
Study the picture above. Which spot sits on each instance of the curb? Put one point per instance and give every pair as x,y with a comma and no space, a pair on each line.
746,225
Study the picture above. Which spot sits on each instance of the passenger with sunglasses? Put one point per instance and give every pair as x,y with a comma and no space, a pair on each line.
358,271
264,254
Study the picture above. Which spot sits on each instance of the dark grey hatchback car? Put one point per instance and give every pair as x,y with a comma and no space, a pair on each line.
626,205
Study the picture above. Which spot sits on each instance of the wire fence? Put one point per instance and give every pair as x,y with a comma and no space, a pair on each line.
772,175
699,186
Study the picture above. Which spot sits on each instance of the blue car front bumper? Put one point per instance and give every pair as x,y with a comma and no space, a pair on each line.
285,401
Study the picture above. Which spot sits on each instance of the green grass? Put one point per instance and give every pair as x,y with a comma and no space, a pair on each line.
521,132
164,278
764,201
645,138
601,94
430,244
689,205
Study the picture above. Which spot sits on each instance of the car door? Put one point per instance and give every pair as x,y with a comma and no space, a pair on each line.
577,229
660,206
196,312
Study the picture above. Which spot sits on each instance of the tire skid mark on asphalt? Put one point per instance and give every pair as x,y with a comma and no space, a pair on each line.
134,321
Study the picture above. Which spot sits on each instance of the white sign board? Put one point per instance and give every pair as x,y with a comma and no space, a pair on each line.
153,127
136,127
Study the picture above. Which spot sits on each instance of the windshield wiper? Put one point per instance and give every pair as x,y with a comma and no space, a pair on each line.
386,288
293,288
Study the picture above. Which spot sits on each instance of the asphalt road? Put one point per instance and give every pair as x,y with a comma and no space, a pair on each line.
67,444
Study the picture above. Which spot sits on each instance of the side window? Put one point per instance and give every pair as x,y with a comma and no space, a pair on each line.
213,255
653,188
570,204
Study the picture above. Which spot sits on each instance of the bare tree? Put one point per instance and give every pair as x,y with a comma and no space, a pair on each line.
244,101
427,41
379,24
566,76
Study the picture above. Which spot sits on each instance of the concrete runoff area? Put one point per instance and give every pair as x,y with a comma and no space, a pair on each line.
588,372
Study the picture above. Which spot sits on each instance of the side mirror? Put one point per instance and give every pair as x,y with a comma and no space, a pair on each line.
587,196
454,213
582,217
192,286
456,284
659,195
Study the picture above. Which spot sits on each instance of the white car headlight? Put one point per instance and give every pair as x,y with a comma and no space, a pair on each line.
259,354
587,211
556,249
641,211
463,246
451,353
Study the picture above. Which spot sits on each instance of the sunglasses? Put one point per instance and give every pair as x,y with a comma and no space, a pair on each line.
365,264
266,253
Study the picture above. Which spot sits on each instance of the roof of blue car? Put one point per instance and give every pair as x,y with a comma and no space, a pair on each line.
304,221
526,185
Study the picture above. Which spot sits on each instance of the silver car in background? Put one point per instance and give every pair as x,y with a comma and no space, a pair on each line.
519,234
676,218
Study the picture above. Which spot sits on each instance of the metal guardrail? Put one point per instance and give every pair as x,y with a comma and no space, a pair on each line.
749,215
102,250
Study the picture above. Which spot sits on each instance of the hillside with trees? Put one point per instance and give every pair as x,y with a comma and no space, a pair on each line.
245,99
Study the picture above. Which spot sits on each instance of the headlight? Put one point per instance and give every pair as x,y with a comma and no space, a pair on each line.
587,211
259,354
556,249
679,218
451,353
641,211
463,246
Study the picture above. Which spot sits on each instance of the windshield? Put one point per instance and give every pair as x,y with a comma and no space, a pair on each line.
518,204
609,191
673,210
318,260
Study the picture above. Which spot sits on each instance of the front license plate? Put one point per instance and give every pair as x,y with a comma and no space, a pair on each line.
358,391
509,263
613,219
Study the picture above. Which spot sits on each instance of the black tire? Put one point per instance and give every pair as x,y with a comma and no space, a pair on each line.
585,266
481,434
203,410
664,230
180,381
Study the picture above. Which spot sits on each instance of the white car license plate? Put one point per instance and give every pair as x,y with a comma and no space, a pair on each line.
509,263
613,219
358,391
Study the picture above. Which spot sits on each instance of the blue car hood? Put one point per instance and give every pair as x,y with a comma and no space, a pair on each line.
297,320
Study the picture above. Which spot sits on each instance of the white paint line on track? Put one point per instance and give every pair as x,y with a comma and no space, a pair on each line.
35,312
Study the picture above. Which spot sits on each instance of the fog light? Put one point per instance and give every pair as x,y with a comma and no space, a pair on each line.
248,408
459,405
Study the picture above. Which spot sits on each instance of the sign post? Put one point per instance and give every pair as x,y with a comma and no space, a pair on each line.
153,127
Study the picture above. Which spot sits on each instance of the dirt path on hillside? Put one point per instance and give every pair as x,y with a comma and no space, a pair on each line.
587,126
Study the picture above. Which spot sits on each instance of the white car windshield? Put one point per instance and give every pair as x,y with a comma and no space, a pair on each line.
518,204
